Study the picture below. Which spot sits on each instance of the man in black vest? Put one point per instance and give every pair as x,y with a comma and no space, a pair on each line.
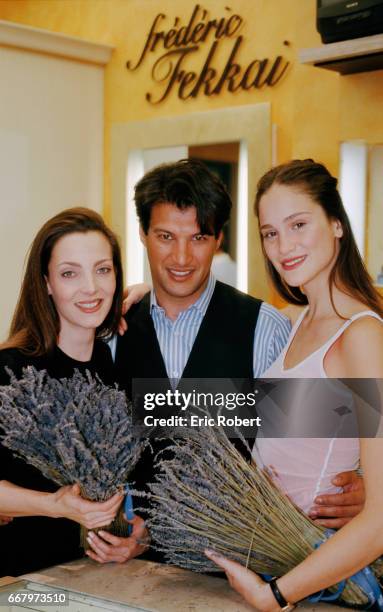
189,326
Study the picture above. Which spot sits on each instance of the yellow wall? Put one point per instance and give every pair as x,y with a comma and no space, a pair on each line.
314,109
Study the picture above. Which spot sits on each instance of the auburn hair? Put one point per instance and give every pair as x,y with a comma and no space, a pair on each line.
35,325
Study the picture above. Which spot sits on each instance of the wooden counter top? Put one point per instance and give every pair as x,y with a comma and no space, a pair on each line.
143,585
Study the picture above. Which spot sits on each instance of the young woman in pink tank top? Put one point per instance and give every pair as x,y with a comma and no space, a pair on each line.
313,261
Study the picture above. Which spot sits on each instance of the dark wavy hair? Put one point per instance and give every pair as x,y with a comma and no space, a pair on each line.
184,183
36,325
349,272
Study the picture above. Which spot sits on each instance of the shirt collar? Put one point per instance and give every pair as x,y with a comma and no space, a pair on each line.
201,305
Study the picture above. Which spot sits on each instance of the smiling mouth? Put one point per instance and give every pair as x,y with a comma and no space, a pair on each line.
89,307
291,264
180,275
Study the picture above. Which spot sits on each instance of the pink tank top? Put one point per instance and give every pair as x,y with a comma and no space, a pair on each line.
304,467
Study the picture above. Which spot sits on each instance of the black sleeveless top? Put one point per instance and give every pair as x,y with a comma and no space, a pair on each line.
29,544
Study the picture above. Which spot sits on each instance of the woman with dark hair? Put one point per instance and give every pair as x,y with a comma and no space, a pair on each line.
313,260
348,271
70,298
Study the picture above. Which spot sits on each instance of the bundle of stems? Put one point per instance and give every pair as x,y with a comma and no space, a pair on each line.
74,430
206,495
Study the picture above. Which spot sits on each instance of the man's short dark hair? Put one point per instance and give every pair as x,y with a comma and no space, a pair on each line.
185,183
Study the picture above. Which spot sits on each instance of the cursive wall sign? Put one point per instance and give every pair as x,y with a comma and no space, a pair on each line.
181,41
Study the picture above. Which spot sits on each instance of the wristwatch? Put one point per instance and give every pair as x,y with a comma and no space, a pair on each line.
285,605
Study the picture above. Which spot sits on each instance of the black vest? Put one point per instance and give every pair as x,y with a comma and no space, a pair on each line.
223,347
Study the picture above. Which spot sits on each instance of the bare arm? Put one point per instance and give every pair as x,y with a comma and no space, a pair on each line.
363,338
66,502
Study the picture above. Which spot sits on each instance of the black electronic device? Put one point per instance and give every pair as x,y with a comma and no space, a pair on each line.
345,19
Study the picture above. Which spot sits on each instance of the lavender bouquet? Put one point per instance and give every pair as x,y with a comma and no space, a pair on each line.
207,496
74,430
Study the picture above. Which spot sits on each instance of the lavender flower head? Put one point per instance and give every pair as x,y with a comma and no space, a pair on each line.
74,430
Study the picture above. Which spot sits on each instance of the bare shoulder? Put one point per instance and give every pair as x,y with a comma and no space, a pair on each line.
364,325
292,312
361,348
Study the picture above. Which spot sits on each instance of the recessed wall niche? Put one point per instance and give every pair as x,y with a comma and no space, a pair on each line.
249,127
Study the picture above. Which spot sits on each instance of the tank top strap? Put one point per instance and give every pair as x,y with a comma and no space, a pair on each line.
346,324
366,313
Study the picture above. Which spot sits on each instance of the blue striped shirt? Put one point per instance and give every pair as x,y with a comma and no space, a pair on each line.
176,338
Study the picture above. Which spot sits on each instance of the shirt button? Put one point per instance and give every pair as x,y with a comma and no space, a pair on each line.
175,373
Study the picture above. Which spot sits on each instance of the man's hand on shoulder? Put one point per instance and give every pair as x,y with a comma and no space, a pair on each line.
132,295
334,511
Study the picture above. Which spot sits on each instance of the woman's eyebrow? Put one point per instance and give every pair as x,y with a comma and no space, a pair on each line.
302,212
77,265
69,263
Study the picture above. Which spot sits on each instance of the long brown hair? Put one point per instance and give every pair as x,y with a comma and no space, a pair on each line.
35,325
349,272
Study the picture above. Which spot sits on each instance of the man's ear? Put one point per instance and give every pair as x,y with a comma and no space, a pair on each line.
142,236
48,285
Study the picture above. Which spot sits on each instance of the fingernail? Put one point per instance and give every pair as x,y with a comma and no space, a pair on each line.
318,500
313,513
